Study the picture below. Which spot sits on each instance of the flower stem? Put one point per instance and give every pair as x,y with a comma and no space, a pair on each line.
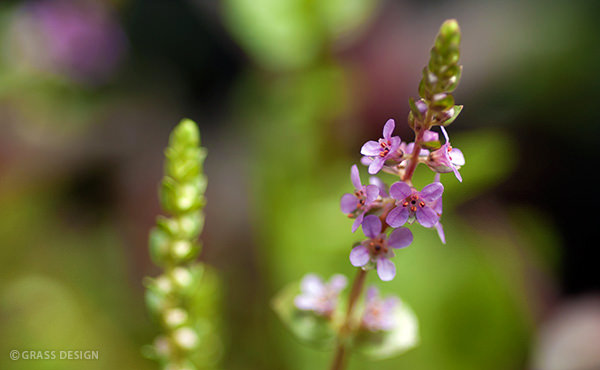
357,288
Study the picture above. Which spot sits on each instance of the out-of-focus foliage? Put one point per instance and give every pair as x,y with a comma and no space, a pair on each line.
284,35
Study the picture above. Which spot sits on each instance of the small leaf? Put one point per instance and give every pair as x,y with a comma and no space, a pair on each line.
305,325
413,108
442,101
432,145
384,344
457,110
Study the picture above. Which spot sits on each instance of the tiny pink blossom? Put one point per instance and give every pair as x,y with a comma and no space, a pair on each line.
320,297
412,204
379,312
377,152
359,202
378,249
446,159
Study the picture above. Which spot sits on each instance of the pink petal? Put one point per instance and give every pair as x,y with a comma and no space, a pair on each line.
305,302
440,231
376,165
386,269
355,177
456,157
432,192
372,193
311,284
427,217
380,184
358,221
388,129
359,256
348,203
370,148
400,190
400,238
338,282
397,217
371,226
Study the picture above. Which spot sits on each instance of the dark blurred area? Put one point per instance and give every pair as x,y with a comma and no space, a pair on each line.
285,92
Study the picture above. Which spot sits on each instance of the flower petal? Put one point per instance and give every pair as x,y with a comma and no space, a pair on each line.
373,180
372,193
430,136
305,302
370,148
355,177
397,217
311,284
338,282
348,203
372,293
456,173
440,231
400,238
400,190
376,165
388,128
396,141
445,133
427,217
359,256
456,157
386,269
432,192
371,226
358,221
437,206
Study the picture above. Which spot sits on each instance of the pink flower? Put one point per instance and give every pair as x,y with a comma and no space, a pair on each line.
379,312
379,248
446,159
412,204
358,203
320,297
377,152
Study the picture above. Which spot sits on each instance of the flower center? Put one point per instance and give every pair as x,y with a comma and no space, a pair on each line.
413,201
385,147
378,246
362,198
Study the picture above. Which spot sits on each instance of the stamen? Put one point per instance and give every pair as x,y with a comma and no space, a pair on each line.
413,208
422,204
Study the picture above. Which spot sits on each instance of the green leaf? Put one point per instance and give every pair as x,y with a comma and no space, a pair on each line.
413,108
432,145
442,102
385,344
457,110
307,326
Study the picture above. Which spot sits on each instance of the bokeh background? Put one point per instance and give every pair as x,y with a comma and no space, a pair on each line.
285,93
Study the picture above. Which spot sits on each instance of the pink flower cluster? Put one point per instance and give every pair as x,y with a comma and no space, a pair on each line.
377,209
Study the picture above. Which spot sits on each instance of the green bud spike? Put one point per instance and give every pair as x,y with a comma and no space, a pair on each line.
442,72
440,77
188,325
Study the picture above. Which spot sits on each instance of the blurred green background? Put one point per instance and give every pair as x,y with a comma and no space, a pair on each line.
285,93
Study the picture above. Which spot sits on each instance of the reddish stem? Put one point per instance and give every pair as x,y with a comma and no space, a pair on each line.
414,159
357,288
